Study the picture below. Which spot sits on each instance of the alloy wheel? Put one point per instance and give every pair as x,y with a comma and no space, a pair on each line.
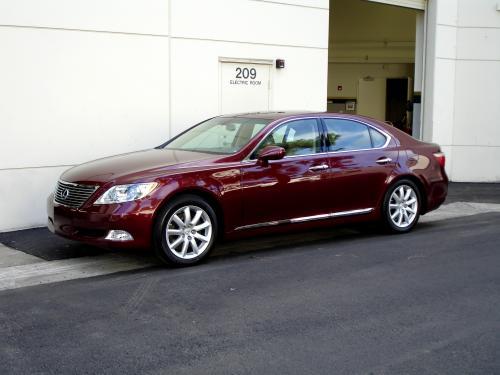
403,206
188,232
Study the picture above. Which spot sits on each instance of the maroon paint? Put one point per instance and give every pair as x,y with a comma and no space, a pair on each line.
250,192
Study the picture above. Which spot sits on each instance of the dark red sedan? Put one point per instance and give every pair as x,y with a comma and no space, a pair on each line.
246,174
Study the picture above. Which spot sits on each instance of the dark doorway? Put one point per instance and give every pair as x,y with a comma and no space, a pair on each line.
397,103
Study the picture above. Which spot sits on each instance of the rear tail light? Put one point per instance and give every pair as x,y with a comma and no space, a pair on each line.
441,159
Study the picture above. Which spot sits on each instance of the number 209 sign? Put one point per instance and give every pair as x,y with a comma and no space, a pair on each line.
245,76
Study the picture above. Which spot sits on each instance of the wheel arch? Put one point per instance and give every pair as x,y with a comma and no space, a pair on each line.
206,195
418,182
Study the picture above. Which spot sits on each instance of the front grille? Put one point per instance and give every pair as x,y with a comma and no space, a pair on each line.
73,195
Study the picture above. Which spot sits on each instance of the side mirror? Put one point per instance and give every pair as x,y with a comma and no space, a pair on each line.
270,153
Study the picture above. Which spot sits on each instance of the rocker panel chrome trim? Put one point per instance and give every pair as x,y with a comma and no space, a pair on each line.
307,218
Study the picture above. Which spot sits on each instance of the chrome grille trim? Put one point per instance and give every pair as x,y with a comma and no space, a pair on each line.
73,195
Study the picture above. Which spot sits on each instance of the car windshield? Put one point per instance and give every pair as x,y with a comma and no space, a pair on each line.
220,135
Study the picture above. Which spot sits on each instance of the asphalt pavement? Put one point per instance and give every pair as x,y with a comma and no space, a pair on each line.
342,301
352,302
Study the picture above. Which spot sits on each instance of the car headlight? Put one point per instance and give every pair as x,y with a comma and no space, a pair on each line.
126,193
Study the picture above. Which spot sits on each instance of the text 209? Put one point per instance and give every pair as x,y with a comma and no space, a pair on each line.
246,73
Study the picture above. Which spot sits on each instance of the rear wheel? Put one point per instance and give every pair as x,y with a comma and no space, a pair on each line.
401,208
185,231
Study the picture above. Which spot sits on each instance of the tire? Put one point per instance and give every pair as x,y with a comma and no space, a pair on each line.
185,231
401,215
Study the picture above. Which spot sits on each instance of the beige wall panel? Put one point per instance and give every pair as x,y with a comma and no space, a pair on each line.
444,92
477,109
250,21
446,11
483,13
128,16
446,42
478,44
72,96
475,164
195,77
27,191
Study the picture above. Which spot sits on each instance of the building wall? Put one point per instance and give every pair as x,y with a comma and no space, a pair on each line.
83,79
462,86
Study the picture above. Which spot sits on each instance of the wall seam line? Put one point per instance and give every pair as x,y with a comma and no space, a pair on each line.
290,4
162,36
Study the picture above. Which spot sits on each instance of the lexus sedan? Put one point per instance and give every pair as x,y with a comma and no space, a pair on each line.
249,174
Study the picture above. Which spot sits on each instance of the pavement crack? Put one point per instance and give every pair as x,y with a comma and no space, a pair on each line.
134,303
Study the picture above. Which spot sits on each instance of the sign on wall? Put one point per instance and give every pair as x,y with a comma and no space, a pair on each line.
244,87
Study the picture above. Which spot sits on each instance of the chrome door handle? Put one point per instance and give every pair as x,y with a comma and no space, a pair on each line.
383,160
318,167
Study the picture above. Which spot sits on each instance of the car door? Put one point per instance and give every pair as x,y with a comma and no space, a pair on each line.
289,188
361,160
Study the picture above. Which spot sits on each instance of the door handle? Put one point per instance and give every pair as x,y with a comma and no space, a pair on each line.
318,167
383,160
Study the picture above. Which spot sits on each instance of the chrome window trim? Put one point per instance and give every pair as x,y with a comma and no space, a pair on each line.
304,219
247,158
387,136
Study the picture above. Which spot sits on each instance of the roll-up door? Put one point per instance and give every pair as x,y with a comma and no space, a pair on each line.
414,4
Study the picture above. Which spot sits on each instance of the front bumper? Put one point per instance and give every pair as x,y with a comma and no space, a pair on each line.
91,224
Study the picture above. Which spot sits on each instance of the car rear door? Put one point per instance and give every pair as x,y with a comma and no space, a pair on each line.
361,160
293,187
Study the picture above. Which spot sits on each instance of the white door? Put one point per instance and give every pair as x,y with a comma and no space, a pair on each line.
245,87
372,97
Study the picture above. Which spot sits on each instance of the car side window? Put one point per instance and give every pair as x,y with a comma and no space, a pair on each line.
378,139
344,135
299,137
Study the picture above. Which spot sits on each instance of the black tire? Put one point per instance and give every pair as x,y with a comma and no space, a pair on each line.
389,223
161,246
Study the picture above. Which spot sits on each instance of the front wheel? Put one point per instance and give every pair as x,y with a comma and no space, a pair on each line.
185,231
401,208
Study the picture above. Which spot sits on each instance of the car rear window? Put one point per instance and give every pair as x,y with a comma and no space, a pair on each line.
344,135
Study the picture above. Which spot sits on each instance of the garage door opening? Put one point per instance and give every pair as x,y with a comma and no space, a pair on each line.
374,60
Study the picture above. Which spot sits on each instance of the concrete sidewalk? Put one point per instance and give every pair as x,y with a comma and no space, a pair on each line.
473,192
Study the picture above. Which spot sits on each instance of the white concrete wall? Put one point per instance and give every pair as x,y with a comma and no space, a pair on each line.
82,79
462,87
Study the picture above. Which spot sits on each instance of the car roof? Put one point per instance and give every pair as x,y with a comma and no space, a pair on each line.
278,115
268,115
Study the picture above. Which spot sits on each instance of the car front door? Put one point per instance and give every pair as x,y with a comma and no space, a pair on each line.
361,159
289,188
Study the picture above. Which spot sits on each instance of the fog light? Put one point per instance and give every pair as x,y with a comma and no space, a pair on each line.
119,235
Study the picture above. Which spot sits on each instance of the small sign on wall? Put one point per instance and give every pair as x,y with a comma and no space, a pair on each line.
244,86
350,106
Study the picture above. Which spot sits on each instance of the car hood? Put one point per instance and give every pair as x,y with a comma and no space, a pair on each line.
136,165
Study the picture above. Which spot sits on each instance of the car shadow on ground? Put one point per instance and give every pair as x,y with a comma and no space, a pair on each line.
45,245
